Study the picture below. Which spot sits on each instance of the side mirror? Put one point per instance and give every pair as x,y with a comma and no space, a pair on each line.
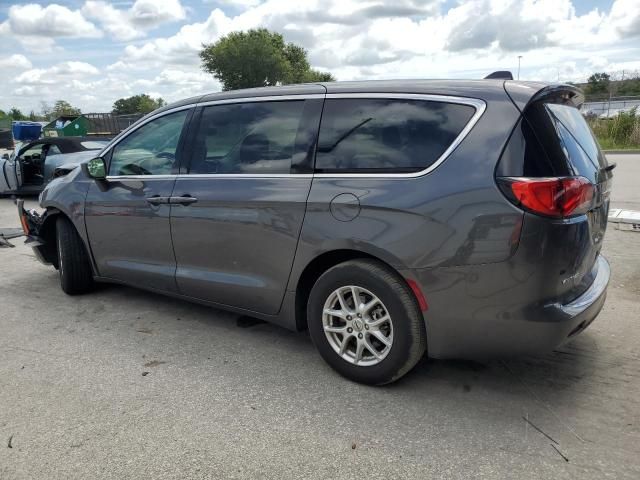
96,169
5,156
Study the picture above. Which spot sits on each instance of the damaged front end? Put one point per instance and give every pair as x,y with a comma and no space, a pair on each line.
32,228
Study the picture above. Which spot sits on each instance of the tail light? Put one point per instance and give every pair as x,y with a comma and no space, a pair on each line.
558,197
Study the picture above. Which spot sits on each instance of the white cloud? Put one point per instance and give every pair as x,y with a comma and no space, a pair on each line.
183,47
50,21
625,17
32,91
59,74
243,4
151,13
114,21
133,23
14,62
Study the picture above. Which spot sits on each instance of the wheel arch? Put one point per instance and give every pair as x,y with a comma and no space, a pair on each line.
320,264
48,230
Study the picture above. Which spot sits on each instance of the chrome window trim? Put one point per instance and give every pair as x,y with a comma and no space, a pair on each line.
270,98
478,104
200,176
141,177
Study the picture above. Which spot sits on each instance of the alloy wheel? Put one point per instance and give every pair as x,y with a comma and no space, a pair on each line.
357,325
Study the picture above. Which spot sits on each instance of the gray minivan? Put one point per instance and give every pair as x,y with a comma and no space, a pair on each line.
390,218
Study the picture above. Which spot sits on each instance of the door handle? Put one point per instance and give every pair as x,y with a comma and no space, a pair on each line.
157,200
183,200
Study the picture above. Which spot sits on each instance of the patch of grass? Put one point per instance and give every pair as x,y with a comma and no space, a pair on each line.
621,132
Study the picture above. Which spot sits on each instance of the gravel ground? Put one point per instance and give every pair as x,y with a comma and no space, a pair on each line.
128,384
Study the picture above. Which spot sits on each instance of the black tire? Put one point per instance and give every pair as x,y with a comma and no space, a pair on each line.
74,268
409,334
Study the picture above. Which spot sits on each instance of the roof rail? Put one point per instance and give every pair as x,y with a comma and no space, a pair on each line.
500,75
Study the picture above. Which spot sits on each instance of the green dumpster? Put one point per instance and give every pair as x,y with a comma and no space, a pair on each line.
66,126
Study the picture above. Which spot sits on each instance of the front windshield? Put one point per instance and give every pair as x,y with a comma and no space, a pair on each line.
16,150
94,144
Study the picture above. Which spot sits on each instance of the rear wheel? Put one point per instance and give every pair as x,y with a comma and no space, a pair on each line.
73,262
365,322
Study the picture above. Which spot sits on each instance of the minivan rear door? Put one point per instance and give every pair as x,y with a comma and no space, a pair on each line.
575,134
572,150
555,141
237,210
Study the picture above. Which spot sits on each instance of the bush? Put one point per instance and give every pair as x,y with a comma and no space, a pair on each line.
619,132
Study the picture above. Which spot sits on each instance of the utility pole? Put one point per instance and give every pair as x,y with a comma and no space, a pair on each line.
519,57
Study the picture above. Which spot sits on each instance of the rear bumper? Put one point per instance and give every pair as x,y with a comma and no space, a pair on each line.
485,322
578,314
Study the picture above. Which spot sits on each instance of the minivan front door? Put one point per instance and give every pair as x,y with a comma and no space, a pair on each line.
127,217
238,211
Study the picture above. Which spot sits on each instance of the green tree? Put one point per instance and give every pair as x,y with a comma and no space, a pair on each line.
16,114
598,83
137,104
629,87
258,58
64,108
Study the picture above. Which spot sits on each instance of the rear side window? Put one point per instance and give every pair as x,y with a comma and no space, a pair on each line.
250,138
570,123
387,135
553,140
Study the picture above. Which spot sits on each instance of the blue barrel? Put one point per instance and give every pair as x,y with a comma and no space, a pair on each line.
26,130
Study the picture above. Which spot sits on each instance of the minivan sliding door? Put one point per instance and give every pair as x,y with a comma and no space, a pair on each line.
237,212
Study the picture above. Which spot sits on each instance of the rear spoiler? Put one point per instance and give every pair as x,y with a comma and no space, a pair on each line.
524,93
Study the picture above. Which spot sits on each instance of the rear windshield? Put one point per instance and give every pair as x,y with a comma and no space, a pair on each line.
576,126
385,135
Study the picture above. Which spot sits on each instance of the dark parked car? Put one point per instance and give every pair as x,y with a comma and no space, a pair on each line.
460,218
33,164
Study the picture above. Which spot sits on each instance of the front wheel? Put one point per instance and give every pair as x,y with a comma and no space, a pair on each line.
73,262
365,322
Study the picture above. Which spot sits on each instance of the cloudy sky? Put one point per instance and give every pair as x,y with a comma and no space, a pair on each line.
92,52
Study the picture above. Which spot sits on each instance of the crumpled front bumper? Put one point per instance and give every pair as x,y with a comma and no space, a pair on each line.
31,222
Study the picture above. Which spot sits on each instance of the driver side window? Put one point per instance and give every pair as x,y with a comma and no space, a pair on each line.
151,149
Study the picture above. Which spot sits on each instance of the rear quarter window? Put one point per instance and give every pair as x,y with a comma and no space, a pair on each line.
570,123
552,140
387,135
